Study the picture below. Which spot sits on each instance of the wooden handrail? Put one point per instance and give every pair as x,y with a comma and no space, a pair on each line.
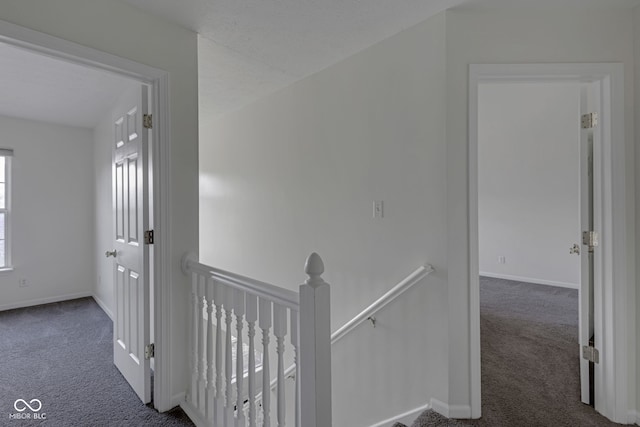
277,294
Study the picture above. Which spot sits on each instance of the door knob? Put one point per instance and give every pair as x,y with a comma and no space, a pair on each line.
112,253
575,249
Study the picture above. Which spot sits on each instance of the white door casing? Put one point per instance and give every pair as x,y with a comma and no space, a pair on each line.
131,263
612,304
158,80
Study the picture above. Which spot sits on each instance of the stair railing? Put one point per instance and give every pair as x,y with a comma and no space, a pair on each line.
215,396
367,314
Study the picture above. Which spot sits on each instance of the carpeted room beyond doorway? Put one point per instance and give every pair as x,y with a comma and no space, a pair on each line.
530,359
62,355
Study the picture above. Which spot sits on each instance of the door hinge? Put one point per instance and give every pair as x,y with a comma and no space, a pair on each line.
149,351
589,120
590,238
148,237
591,354
147,121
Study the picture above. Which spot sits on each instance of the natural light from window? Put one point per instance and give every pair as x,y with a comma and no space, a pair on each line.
5,162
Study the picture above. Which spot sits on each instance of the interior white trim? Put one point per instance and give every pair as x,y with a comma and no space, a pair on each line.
39,301
193,414
159,81
178,399
406,418
530,280
612,374
103,306
451,411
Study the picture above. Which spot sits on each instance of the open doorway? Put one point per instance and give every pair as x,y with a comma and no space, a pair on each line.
529,225
610,286
71,56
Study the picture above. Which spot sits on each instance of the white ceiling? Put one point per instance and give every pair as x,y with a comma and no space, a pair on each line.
253,47
248,49
37,87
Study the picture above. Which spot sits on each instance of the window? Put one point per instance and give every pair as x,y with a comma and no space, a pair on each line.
5,205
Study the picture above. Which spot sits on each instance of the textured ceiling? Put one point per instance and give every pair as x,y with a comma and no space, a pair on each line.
252,47
41,88
249,48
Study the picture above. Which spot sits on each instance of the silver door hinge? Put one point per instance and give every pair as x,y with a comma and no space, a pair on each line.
147,121
149,351
589,121
590,238
148,237
591,354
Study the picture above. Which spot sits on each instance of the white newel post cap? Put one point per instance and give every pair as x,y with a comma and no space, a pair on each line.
314,267
187,258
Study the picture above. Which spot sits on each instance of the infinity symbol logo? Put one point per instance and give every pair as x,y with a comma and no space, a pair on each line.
37,405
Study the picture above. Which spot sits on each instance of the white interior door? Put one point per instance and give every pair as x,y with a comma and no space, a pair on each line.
587,296
130,207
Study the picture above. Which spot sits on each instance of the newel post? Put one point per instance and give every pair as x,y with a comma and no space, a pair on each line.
315,347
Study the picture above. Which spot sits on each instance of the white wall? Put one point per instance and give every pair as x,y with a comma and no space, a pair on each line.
528,181
515,36
120,29
52,213
298,172
102,137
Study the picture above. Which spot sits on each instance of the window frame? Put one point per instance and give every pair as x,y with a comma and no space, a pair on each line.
7,154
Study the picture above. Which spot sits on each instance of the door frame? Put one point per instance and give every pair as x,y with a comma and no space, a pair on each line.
614,298
158,81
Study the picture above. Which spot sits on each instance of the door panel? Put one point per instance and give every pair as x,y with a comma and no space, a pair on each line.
130,207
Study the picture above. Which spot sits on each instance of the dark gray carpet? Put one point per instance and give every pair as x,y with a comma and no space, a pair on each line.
62,354
530,364
431,418
530,357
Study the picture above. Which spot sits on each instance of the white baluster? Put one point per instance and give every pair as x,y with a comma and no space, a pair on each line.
194,339
251,317
218,291
280,331
202,355
294,343
265,325
228,362
315,347
210,392
239,310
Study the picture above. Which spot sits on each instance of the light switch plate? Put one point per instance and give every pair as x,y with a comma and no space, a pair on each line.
378,209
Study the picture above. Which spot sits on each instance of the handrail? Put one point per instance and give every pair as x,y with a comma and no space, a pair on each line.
406,284
383,301
282,296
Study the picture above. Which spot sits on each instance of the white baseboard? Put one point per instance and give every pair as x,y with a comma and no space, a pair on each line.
462,412
39,301
406,418
530,280
103,306
193,413
178,399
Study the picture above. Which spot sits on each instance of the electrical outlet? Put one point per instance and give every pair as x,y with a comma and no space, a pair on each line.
502,260
22,283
